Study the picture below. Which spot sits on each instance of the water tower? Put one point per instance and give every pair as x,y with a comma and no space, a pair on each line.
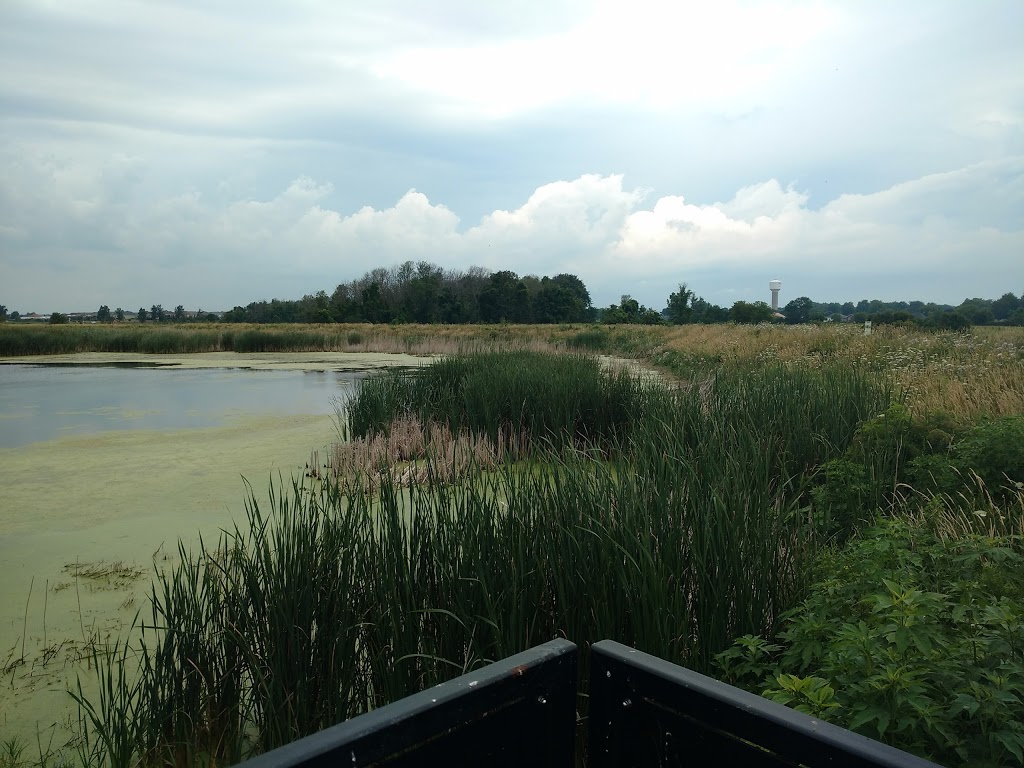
776,286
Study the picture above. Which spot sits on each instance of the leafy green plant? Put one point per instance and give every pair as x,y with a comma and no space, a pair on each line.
810,695
994,450
910,639
888,451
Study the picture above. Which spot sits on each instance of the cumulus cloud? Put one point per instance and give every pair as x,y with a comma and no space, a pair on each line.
618,239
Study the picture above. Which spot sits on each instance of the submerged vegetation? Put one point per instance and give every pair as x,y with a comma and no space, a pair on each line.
811,492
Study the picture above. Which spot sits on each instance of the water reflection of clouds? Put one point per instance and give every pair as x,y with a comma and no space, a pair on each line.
66,401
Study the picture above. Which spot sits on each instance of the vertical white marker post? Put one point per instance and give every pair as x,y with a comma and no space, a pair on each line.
867,327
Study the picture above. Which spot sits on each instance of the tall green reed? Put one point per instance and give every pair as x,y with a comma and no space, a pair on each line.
332,600
539,396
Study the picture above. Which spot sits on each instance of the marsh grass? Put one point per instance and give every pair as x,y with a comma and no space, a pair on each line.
195,338
974,510
969,375
332,599
408,452
509,397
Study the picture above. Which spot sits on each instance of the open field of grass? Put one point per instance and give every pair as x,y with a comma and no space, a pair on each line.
675,516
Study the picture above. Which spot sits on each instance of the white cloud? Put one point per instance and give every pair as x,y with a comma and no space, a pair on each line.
617,239
278,149
649,51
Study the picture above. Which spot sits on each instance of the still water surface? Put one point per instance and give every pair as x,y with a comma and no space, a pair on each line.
44,402
112,466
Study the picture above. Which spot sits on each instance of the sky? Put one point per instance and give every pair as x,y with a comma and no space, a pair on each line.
215,152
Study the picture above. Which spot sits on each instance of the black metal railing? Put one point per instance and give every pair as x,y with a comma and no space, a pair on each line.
643,711
520,711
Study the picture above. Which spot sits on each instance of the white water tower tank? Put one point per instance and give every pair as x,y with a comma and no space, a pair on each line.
776,286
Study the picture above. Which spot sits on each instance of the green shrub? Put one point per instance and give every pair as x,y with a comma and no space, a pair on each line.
845,498
994,450
889,451
910,639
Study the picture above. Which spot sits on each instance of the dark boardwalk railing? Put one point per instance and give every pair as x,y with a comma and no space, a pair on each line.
520,711
643,712
647,712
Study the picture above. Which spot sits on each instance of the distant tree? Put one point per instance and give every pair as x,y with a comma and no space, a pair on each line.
179,313
950,321
1005,306
750,313
15,316
103,313
629,310
630,307
1017,318
156,313
375,309
119,315
142,314
506,298
893,317
236,315
705,312
798,310
554,303
680,306
3,313
977,311
582,306
613,315
58,319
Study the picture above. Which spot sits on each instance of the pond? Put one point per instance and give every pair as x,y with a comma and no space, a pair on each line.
47,402
103,468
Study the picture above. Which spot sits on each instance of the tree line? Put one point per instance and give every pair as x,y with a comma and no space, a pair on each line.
425,293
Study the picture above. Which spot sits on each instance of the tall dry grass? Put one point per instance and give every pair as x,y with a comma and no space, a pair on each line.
409,452
968,375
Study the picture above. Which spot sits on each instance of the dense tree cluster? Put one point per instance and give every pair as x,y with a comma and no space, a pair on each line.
629,310
1006,310
684,307
426,293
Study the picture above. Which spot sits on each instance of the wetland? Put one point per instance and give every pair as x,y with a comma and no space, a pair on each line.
106,461
770,494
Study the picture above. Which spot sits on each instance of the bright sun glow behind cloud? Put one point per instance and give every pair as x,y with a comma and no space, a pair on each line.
653,52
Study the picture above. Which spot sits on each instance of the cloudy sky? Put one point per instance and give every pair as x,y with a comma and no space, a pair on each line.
210,153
